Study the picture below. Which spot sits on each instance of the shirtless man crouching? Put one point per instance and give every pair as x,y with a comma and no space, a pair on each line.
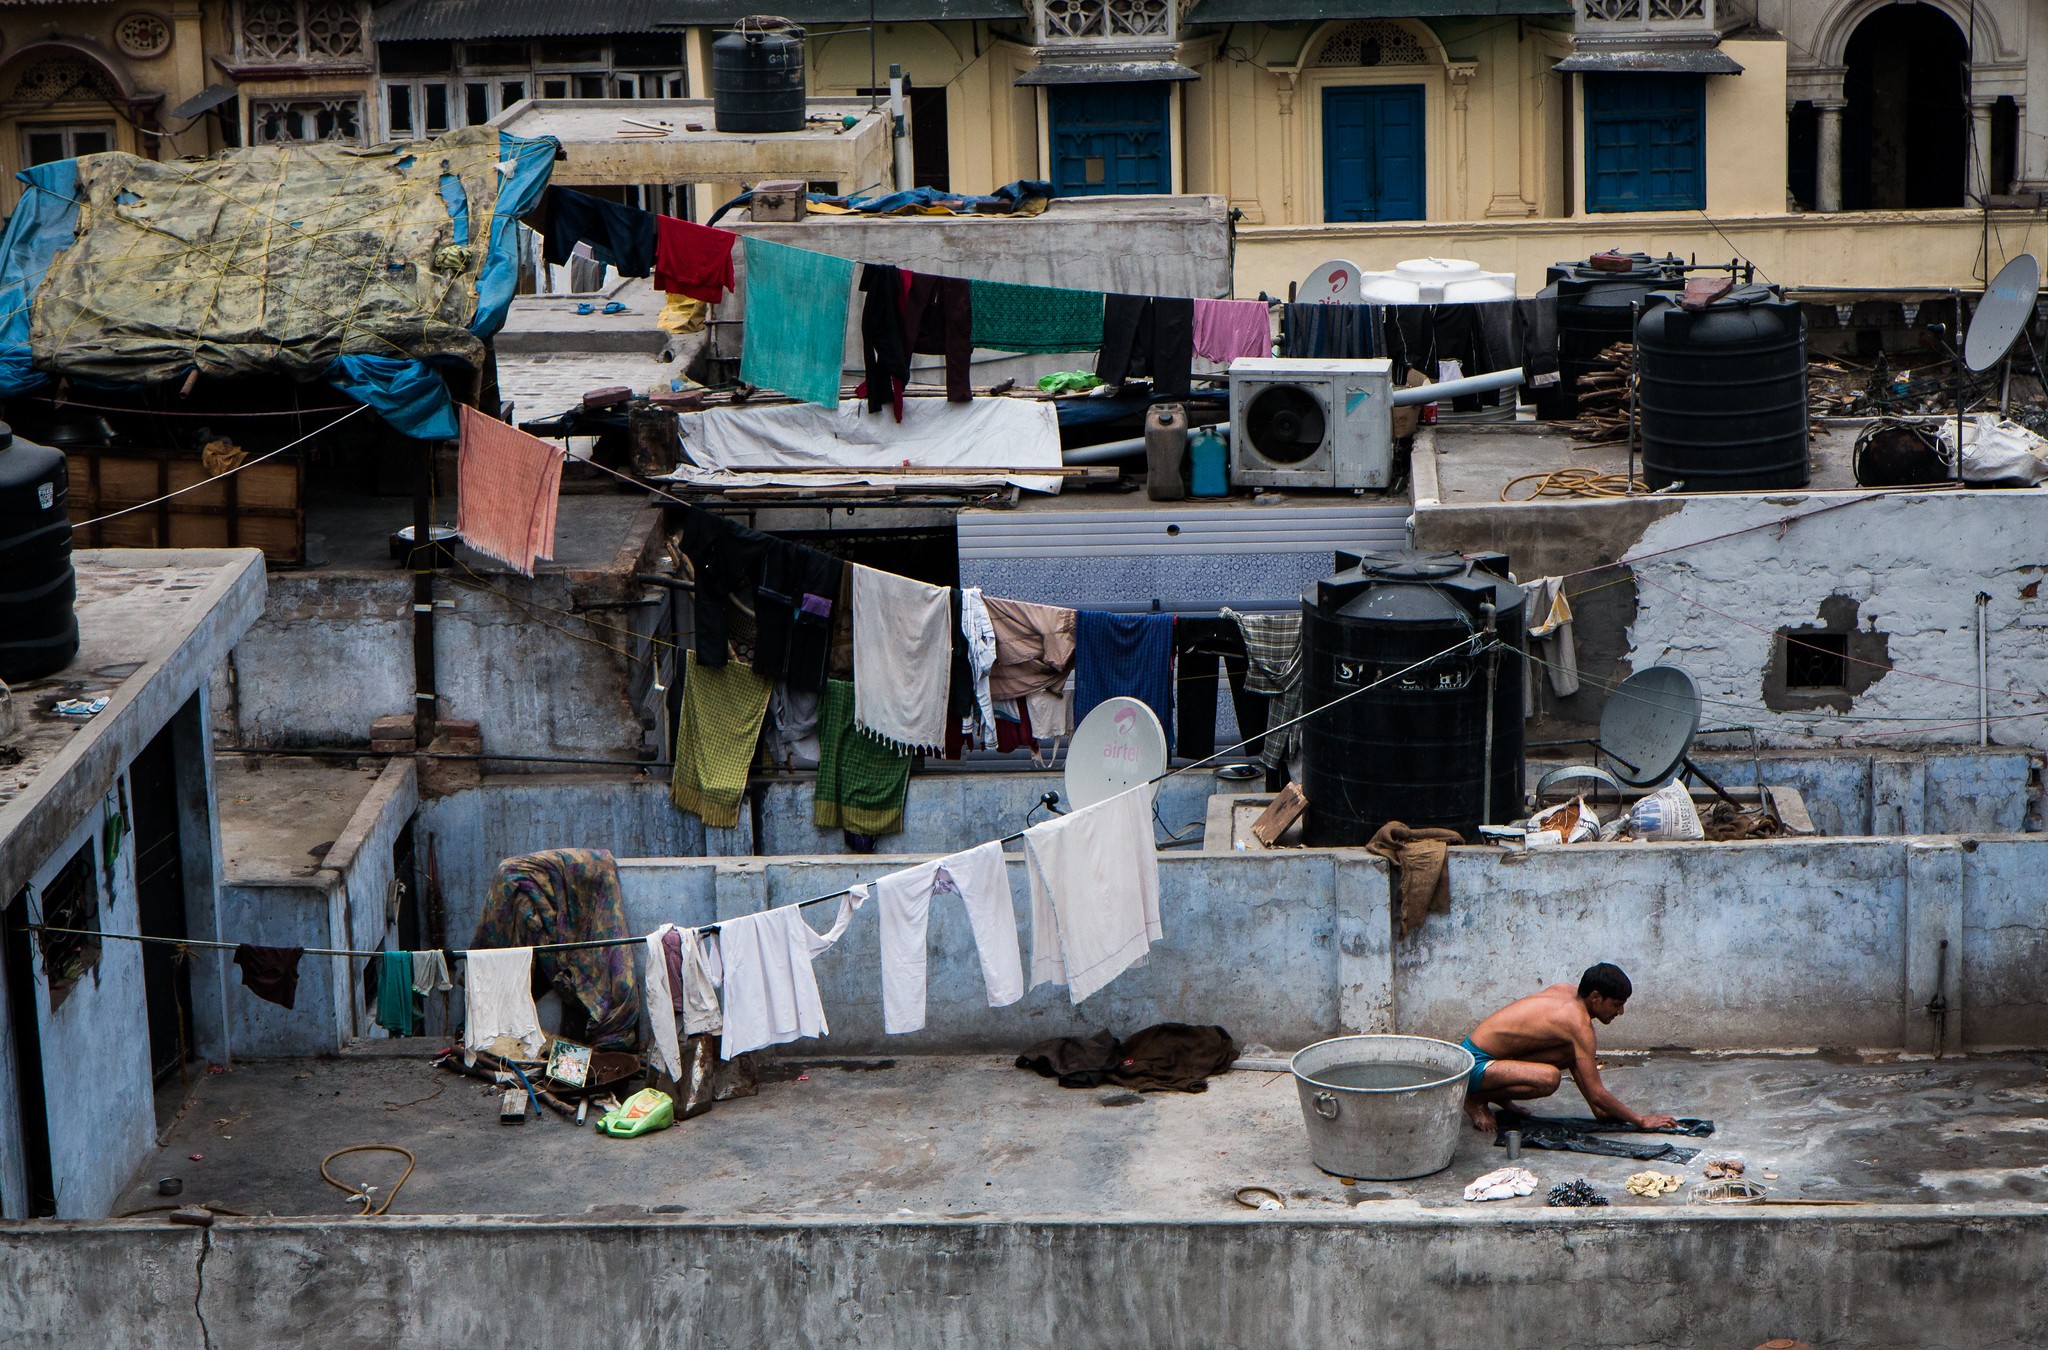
1520,1050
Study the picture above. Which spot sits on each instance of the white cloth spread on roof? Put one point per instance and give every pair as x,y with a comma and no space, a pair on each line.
771,992
661,1005
988,433
1094,892
978,877
498,999
902,658
703,972
981,658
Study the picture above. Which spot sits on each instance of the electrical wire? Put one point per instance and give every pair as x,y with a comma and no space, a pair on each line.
225,473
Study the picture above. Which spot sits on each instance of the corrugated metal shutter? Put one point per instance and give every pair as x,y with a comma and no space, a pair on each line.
1190,559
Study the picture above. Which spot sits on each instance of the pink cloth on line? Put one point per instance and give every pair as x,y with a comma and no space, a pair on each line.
1228,329
507,485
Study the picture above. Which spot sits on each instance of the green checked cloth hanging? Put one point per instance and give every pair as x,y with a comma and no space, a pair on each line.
862,783
715,738
1011,318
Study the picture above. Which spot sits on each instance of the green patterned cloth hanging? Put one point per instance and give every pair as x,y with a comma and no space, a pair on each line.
1009,318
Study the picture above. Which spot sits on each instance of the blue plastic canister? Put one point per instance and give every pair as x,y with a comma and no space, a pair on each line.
1210,458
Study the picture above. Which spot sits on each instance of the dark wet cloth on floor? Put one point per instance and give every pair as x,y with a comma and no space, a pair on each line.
1584,1134
1169,1057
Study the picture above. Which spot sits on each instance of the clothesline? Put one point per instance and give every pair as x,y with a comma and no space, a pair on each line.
1490,644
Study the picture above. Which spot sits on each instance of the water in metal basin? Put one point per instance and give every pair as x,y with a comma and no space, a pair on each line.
1377,1075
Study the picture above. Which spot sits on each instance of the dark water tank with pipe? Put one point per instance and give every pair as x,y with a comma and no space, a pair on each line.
1415,748
1721,392
38,590
757,77
1596,300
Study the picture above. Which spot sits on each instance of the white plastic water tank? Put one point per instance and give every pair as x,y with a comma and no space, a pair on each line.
1435,281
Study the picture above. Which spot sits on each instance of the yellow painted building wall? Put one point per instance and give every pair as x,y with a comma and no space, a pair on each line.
1746,149
145,88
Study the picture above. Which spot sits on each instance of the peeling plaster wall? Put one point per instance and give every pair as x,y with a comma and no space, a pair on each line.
333,652
1912,564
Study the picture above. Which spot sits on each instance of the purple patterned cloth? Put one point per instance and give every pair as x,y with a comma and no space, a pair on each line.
570,895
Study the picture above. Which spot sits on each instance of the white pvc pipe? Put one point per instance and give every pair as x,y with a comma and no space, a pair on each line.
1471,384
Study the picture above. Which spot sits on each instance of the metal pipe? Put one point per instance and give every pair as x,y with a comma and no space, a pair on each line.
1983,670
1109,452
1443,389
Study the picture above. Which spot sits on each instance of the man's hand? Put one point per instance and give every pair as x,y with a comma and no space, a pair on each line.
1659,1122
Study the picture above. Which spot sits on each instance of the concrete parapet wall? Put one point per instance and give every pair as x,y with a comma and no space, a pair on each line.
1840,943
1879,1278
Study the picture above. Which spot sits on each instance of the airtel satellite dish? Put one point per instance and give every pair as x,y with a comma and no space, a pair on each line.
2003,314
1334,283
1117,746
1648,725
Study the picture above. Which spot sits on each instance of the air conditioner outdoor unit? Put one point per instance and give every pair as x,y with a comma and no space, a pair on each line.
1311,423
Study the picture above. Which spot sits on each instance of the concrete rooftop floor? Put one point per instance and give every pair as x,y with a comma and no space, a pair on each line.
1474,462
274,811
961,1136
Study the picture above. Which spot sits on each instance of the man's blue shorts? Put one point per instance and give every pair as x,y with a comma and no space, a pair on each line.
1480,1059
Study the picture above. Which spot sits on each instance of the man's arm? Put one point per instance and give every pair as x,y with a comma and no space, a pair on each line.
1605,1105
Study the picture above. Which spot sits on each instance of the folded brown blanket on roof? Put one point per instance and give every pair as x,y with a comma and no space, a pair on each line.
1172,1056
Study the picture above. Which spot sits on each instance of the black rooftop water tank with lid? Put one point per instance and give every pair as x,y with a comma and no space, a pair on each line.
757,77
38,591
1596,300
1721,392
1415,748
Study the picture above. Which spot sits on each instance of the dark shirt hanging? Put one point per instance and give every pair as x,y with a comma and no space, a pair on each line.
270,973
1148,336
793,615
885,347
938,320
727,560
1337,332
621,235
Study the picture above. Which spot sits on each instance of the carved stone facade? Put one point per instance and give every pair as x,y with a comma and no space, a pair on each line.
1372,42
300,32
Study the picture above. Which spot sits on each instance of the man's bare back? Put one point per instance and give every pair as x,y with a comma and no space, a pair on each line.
1526,1048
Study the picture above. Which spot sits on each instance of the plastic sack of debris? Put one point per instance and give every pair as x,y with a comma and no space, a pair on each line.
1667,813
1569,822
1998,451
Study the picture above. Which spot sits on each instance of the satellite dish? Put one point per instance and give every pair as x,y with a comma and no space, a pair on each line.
1117,746
2003,314
1648,725
1334,283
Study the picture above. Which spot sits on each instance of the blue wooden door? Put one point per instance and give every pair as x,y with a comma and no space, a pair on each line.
1372,153
1109,138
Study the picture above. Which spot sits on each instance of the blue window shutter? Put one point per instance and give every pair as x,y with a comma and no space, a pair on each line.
1646,142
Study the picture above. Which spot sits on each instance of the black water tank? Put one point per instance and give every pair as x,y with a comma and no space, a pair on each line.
1722,392
1595,310
1413,749
757,77
38,593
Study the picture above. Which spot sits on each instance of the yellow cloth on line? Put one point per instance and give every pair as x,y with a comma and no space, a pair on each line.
715,739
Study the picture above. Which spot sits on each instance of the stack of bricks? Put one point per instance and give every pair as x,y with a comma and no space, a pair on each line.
395,735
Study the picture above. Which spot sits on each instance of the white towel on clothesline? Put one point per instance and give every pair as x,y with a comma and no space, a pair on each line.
902,658
1094,892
